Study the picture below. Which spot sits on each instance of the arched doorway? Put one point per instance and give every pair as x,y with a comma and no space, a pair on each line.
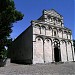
57,53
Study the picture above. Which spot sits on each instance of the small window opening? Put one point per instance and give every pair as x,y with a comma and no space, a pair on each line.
54,33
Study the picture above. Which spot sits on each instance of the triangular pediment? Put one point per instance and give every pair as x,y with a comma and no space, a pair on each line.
52,12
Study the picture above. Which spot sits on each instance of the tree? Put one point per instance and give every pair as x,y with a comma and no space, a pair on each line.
8,15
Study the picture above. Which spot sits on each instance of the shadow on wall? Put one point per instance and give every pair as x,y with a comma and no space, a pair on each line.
25,62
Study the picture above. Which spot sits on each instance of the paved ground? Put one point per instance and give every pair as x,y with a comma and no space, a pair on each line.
39,69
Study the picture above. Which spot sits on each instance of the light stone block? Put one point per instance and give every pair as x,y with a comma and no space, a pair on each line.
60,34
38,51
63,51
64,35
36,30
69,51
48,51
49,32
42,31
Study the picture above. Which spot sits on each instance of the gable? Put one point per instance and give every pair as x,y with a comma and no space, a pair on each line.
53,13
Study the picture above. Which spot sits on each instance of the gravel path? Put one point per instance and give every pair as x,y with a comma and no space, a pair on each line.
39,69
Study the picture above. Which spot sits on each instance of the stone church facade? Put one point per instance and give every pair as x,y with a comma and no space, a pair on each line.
46,40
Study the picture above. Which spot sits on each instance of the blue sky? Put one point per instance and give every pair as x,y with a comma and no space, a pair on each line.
32,10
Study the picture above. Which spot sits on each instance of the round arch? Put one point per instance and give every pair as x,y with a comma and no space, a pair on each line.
49,27
69,51
47,38
49,31
60,32
56,50
57,41
64,55
39,37
55,31
43,30
63,41
36,29
48,50
37,25
38,50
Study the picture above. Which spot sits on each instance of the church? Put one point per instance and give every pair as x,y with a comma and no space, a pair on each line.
46,40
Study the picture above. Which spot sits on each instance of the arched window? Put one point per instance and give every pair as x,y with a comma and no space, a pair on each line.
54,33
69,35
49,31
56,42
60,30
65,34
60,33
43,30
36,29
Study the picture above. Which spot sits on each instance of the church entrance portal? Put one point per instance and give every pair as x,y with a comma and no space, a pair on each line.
57,54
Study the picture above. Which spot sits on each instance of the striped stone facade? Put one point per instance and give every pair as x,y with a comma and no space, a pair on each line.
49,36
46,40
